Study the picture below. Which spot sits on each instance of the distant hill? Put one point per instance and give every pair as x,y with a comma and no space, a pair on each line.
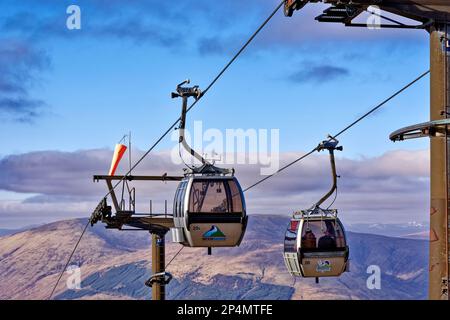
410,230
6,232
418,235
115,265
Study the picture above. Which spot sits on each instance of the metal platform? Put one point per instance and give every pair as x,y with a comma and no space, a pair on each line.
125,218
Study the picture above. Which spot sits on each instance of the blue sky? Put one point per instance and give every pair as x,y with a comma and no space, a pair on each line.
98,84
67,90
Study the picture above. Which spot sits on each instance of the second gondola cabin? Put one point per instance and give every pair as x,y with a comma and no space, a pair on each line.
209,211
316,245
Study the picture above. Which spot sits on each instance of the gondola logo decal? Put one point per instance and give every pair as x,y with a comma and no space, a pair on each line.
214,234
323,266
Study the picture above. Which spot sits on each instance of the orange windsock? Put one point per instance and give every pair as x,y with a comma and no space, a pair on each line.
118,154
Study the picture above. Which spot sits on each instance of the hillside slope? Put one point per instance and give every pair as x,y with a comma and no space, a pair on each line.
115,265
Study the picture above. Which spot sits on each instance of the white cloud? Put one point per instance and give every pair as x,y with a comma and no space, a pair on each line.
391,188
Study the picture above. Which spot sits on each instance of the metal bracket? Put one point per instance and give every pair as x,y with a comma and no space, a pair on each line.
330,144
291,5
101,212
186,92
162,278
346,13
437,128
391,26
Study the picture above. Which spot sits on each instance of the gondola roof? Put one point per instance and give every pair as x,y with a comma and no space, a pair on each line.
208,169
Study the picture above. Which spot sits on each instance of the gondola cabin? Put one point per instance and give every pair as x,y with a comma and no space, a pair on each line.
316,246
209,211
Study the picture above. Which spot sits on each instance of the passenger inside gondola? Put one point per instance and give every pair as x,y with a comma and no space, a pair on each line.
309,240
221,208
327,241
332,235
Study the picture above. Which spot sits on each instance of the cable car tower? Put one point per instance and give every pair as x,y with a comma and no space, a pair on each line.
434,17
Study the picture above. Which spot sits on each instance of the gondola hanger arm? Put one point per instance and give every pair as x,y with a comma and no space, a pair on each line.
331,145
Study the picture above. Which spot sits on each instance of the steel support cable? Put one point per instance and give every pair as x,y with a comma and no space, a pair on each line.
68,260
174,256
343,130
219,75
368,113
281,169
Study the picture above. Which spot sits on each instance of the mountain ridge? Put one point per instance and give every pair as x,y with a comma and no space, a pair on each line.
115,265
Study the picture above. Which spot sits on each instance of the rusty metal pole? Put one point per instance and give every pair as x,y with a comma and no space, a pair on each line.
440,165
158,265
